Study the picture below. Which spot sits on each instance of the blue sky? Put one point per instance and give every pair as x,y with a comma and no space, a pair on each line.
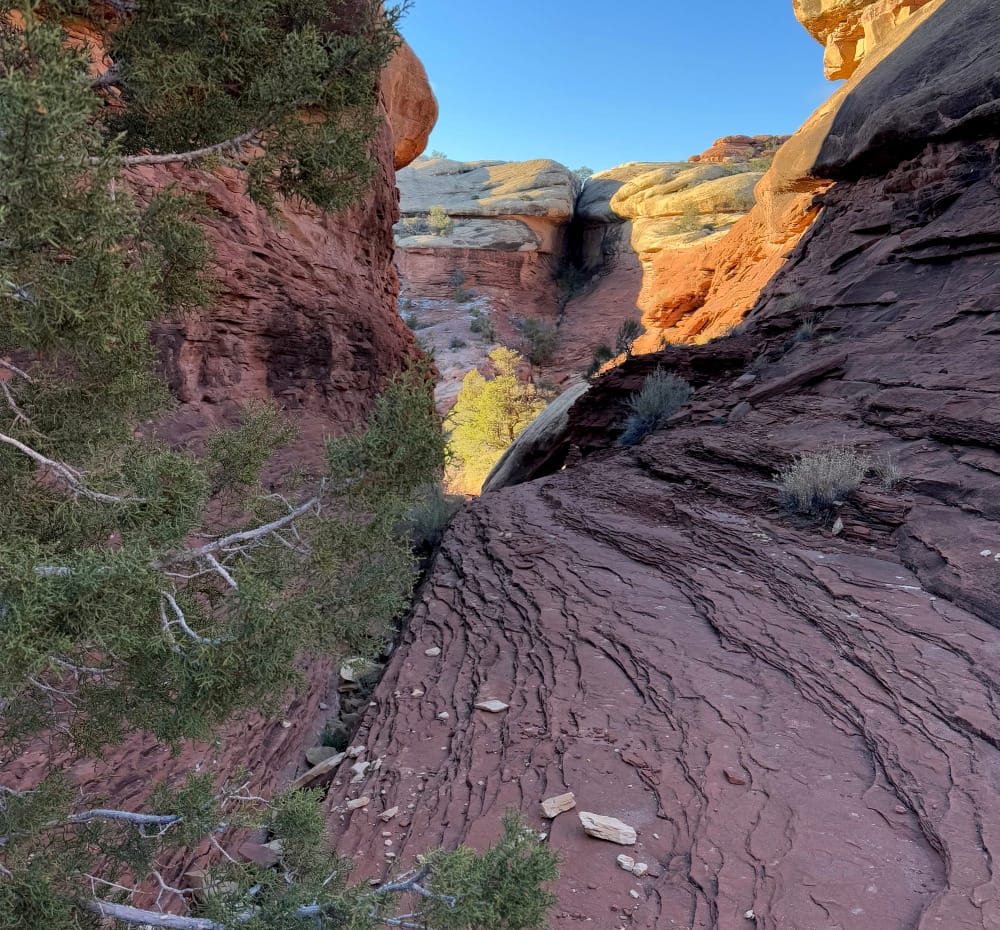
598,83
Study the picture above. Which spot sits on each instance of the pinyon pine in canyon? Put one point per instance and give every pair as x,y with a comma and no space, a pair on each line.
146,587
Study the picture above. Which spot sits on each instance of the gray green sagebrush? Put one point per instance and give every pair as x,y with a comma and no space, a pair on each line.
112,618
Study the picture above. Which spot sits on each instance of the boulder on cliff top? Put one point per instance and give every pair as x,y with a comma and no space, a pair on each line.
410,104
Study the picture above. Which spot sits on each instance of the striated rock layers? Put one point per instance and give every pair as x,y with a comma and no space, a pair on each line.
798,717
306,307
850,30
508,232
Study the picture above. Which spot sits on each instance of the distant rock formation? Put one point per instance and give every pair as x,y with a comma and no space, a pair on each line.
507,233
850,30
741,148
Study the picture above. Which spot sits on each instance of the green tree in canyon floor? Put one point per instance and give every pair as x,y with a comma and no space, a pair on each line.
488,416
148,587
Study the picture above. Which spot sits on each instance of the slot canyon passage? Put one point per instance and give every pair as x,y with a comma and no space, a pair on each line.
797,714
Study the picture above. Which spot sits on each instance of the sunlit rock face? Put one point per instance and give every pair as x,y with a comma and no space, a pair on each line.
852,29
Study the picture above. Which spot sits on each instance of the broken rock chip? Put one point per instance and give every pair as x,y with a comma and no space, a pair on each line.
553,807
626,862
607,828
433,652
318,775
492,707
386,816
358,802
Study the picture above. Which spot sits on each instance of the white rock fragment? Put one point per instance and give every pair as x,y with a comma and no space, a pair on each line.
986,553
626,862
640,869
492,707
838,527
607,828
433,652
418,692
444,715
386,816
554,806
359,769
750,915
357,803
355,752
634,894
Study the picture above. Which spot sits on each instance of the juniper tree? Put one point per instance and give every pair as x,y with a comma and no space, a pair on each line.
146,586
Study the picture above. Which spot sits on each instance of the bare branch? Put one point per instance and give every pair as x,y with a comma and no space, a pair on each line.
134,915
142,820
233,145
235,539
13,369
181,621
68,475
219,569
19,414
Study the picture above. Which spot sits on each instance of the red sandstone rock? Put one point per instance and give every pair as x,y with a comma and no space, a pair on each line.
741,148
411,104
800,725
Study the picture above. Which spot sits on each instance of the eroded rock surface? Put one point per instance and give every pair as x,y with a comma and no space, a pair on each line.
508,234
850,30
799,723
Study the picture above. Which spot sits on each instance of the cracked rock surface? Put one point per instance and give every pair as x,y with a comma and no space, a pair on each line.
801,725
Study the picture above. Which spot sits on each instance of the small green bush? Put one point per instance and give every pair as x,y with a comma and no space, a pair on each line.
430,516
625,338
540,340
815,481
457,343
415,226
601,356
439,222
483,326
662,395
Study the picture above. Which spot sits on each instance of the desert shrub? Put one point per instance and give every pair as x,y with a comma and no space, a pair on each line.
583,173
571,282
488,416
625,338
439,222
662,395
437,153
738,203
430,516
806,332
415,225
815,481
459,294
601,355
540,339
888,472
482,326
689,220
457,343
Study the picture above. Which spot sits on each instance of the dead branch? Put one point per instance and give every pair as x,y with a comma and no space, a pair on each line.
68,475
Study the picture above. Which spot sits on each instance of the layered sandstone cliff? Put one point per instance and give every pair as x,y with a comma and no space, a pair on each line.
508,232
798,717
